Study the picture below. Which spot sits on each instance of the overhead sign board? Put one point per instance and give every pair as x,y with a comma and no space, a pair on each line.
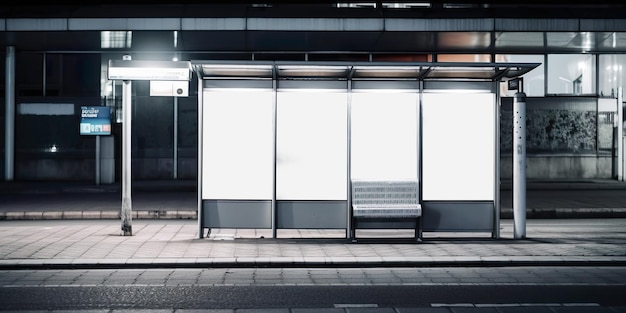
149,70
514,84
95,120
167,88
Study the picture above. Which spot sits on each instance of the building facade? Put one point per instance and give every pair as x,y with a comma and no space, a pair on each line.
56,59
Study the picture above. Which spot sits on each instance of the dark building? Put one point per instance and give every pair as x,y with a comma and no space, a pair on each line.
57,57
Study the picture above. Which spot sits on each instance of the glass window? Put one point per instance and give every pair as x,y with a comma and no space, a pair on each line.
73,75
463,58
612,71
115,39
606,122
29,77
571,74
50,130
534,81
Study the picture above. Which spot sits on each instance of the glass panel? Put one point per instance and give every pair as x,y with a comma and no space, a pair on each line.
29,77
573,41
484,73
462,41
153,119
534,81
463,58
115,39
56,135
561,40
519,40
613,41
458,146
571,74
384,135
237,151
612,71
607,126
312,71
410,72
311,145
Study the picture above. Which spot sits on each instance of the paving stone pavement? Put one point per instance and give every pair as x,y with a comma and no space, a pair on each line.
175,243
88,253
60,238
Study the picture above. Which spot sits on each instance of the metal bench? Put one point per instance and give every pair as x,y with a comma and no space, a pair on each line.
386,204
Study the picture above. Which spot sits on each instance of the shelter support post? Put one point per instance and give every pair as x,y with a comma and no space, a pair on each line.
620,134
199,158
519,165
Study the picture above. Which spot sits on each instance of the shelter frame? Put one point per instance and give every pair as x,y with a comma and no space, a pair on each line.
268,203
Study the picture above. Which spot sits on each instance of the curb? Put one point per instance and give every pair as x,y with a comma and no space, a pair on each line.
602,184
505,213
314,262
90,215
568,213
187,185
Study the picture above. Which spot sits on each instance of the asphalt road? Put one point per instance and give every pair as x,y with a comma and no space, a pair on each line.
507,288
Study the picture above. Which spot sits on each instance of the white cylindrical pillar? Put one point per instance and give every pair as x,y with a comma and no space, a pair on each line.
519,165
127,228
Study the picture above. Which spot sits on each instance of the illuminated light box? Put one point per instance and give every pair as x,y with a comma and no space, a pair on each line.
149,70
166,88
95,120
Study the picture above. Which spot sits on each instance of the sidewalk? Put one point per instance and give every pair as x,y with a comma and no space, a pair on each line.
175,244
593,248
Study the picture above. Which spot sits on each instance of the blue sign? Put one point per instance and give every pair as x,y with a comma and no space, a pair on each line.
95,120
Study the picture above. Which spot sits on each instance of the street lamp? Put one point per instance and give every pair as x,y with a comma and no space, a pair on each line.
127,71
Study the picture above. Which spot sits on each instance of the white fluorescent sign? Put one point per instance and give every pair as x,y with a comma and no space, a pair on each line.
149,70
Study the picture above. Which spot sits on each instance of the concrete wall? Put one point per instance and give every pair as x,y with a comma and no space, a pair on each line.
554,167
566,138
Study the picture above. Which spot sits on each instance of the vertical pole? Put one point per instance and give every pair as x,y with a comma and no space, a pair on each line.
127,228
175,169
44,84
496,197
97,159
620,135
9,103
274,204
200,148
350,231
420,101
519,165
418,225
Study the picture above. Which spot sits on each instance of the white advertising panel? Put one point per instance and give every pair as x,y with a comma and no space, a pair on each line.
237,144
458,147
311,145
384,135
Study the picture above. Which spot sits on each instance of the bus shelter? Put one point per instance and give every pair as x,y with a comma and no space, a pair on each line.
280,144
